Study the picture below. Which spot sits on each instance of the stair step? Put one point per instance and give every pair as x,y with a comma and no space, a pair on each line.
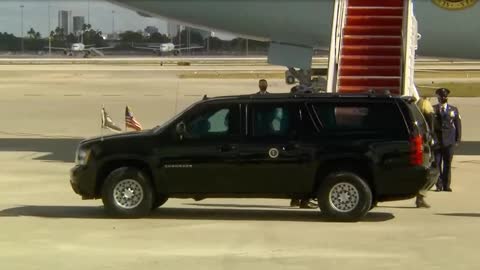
374,21
394,90
375,11
373,30
375,3
372,40
372,50
387,71
372,47
360,60
369,81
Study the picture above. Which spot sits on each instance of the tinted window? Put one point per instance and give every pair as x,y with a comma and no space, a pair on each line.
376,116
419,120
305,123
271,120
214,122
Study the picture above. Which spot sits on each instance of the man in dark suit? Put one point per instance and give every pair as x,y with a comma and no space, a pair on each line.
448,133
263,85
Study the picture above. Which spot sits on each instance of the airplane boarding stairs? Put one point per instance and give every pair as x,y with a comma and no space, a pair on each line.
373,47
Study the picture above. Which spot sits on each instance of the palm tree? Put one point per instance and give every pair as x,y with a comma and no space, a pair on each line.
86,27
31,33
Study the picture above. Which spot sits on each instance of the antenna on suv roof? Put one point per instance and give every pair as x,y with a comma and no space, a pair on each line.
205,97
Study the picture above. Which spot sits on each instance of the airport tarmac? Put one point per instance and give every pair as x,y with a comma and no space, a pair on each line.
44,225
206,63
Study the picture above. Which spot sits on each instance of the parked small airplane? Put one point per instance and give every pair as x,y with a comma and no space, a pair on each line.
79,48
166,48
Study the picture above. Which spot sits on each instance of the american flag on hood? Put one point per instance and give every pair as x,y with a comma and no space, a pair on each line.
130,121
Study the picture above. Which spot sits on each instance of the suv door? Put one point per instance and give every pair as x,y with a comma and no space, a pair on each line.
272,158
205,159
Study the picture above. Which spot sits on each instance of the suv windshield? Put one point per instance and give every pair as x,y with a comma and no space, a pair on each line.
173,119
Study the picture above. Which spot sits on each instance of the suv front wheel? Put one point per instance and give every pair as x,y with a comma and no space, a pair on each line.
345,196
127,192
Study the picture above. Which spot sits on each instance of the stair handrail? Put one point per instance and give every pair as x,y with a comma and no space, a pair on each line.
343,21
407,38
338,22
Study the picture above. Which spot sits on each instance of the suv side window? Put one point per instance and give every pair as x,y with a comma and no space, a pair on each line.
305,123
419,120
214,122
359,116
271,120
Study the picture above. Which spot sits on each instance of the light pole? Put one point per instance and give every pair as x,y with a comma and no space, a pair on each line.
189,40
49,21
180,35
21,37
113,21
208,45
88,12
49,31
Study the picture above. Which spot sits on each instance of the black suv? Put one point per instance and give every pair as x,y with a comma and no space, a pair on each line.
349,152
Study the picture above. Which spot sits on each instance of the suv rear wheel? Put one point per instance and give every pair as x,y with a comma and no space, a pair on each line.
345,196
127,192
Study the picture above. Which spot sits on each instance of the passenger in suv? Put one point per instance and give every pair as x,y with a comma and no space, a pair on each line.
349,152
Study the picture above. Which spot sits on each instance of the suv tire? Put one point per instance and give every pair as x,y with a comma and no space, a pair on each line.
127,193
344,196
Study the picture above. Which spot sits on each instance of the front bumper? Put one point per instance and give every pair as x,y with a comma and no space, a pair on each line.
82,180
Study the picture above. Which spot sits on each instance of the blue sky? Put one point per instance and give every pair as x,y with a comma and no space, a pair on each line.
36,15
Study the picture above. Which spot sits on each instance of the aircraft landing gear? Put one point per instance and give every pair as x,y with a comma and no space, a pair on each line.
303,76
289,78
316,84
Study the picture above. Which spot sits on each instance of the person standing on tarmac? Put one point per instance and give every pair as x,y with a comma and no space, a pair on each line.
263,85
426,109
302,203
448,131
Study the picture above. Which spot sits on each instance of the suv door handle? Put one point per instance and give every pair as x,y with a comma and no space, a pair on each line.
227,148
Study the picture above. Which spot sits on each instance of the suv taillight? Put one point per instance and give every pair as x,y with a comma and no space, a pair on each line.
416,152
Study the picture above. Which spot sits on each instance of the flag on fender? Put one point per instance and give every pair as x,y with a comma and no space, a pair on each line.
108,123
130,121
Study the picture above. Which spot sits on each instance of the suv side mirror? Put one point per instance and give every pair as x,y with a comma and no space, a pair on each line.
181,130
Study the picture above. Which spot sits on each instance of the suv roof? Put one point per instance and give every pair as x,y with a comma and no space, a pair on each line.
288,96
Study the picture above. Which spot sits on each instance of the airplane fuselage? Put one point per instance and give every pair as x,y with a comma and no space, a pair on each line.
445,33
78,47
166,47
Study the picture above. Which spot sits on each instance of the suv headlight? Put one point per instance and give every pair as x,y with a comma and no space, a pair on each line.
82,156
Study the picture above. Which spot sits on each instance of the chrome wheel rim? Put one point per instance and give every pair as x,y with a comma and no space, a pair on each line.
128,193
344,197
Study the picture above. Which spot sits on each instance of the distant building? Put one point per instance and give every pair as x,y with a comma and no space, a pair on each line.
111,36
204,33
78,22
65,21
173,29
